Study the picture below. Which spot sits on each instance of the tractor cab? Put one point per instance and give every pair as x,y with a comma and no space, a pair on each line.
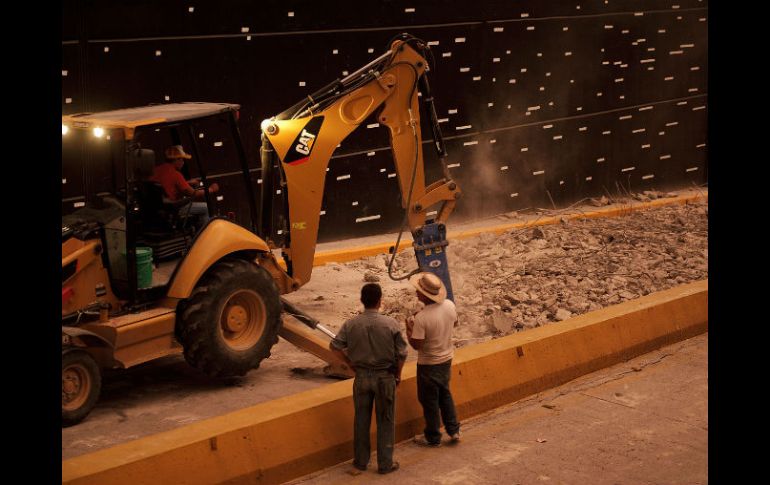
139,233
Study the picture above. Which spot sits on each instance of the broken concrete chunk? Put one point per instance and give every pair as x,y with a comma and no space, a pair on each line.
562,314
578,304
627,295
537,244
370,277
517,297
502,322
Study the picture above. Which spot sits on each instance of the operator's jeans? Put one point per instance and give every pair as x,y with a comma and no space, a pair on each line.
197,209
437,404
378,388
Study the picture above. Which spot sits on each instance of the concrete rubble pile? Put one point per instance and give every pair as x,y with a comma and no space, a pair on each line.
535,276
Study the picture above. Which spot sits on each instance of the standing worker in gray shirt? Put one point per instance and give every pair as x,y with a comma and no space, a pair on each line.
376,351
430,334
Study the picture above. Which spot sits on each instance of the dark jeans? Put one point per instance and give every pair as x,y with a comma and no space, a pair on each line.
378,388
197,212
437,404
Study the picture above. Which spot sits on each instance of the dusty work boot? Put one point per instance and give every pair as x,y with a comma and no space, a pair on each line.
421,441
455,438
392,468
356,470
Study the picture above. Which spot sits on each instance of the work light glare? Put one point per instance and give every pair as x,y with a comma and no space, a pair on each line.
65,129
98,132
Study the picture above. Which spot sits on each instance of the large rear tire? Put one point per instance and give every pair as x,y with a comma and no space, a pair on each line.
81,383
231,320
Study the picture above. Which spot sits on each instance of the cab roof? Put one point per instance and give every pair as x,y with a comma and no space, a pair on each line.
130,118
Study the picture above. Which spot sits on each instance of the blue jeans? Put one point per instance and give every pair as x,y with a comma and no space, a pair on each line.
378,388
196,209
436,399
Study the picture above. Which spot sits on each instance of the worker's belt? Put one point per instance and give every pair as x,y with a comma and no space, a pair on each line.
372,372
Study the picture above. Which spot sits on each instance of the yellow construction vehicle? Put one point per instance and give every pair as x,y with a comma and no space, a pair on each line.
140,281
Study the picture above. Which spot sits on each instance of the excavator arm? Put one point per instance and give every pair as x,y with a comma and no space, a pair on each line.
300,142
302,139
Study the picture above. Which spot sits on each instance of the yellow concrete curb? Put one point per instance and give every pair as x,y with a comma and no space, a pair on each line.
289,437
351,254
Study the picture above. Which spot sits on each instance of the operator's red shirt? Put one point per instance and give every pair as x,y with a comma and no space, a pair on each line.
171,179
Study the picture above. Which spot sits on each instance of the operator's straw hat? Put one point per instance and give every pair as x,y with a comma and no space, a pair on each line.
429,285
176,151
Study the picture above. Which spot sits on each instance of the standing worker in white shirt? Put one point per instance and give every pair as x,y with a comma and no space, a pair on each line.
430,334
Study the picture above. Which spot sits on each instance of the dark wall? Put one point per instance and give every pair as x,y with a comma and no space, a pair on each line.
538,101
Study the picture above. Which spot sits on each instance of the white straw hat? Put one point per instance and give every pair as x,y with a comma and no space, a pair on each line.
429,285
176,151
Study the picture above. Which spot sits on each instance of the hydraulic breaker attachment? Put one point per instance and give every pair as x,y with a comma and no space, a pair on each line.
430,249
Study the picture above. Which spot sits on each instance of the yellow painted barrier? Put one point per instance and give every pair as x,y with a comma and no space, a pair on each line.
282,439
351,254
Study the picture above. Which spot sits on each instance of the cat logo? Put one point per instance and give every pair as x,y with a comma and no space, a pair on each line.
306,140
303,145
299,225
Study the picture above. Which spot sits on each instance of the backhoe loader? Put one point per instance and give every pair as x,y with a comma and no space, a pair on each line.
140,281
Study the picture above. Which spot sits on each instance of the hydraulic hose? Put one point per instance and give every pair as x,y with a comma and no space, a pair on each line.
406,215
